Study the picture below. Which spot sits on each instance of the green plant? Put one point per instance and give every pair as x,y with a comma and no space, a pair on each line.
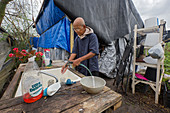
167,83
167,59
167,65
22,56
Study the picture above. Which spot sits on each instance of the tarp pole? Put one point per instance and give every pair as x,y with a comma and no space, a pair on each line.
71,37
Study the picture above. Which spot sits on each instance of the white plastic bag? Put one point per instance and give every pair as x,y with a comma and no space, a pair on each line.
156,51
150,60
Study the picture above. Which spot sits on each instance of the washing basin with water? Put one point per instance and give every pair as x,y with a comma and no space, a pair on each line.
46,79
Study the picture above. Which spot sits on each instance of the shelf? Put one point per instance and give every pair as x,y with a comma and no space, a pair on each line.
146,64
156,86
150,65
148,47
144,31
146,82
145,47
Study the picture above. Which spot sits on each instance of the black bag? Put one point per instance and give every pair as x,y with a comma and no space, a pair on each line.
150,73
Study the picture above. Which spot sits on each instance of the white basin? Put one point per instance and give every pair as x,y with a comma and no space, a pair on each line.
57,72
45,78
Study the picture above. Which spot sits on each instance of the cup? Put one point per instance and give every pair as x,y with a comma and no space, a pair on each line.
47,62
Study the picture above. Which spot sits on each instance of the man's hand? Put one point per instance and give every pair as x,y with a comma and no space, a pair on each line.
64,69
76,62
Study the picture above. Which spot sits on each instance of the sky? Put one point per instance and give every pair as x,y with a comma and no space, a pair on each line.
154,8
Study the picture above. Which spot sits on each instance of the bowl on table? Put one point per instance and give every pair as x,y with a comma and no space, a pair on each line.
92,87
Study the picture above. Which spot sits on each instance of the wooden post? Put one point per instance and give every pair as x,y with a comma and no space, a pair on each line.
157,92
71,37
134,60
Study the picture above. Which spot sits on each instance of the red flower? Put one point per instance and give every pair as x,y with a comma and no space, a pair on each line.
15,49
24,51
41,53
24,54
46,50
36,53
11,55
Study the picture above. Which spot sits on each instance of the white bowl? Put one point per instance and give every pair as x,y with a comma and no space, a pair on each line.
88,86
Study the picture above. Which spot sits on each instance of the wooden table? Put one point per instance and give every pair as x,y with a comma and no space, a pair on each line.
69,99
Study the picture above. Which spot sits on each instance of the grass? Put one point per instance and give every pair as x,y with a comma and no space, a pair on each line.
167,58
167,64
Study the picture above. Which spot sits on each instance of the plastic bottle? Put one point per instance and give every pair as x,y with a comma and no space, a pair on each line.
47,57
32,89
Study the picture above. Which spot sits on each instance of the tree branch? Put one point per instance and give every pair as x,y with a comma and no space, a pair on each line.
3,4
14,25
13,15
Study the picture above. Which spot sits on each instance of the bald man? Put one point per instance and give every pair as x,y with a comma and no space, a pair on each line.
85,50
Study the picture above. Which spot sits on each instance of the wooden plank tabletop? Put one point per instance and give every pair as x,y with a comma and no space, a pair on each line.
68,99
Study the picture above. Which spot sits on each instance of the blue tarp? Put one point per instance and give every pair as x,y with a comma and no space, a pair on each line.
58,36
53,27
34,41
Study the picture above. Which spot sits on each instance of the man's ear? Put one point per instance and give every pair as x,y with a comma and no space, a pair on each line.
84,26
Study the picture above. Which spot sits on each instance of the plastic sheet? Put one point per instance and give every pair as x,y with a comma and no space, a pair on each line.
150,60
49,15
107,61
34,41
58,36
110,19
156,51
53,27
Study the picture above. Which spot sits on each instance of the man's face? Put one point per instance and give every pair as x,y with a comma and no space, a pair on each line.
79,29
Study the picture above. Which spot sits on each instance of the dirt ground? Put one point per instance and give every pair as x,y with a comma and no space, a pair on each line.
143,101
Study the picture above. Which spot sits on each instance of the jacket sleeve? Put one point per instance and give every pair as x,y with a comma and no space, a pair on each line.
75,46
93,44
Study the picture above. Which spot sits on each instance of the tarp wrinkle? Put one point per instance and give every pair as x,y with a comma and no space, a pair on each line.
110,19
